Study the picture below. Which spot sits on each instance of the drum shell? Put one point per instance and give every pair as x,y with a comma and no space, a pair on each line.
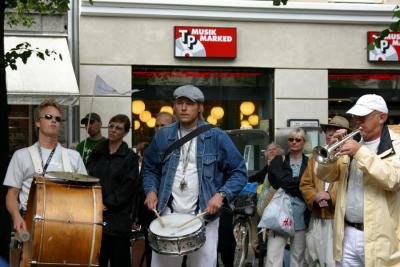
65,222
180,245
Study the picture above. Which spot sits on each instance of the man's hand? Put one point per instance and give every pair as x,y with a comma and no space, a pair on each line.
321,195
214,204
151,200
339,134
19,224
349,147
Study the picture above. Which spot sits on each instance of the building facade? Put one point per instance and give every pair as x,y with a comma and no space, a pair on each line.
297,63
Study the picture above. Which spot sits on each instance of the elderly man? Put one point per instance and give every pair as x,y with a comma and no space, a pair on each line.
366,223
320,198
194,178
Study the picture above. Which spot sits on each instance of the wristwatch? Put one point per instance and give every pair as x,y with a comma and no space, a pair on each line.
222,193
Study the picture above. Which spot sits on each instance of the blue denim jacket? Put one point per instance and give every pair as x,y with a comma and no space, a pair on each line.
220,165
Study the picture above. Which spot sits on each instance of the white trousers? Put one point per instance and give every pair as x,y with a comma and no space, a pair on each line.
205,256
353,248
276,246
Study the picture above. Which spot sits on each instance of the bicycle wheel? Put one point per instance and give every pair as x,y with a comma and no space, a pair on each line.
241,233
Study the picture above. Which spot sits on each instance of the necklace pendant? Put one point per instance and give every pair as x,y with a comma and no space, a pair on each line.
182,185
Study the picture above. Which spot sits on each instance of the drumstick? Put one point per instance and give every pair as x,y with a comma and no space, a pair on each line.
192,219
159,218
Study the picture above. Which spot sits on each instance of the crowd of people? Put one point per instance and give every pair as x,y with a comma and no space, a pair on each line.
345,211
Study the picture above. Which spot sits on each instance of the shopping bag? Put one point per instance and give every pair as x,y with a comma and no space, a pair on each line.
265,197
319,243
278,215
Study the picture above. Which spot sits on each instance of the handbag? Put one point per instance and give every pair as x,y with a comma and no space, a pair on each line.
278,216
265,196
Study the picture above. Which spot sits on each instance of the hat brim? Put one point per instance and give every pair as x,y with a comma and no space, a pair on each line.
84,120
359,110
324,126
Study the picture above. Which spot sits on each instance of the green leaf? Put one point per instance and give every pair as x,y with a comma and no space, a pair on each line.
371,46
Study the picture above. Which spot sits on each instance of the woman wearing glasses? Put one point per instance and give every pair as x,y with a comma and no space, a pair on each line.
285,172
117,168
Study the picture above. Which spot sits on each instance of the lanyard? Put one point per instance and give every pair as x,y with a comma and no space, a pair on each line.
185,161
48,159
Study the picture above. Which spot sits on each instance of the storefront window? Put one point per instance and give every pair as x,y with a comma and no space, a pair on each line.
345,87
235,98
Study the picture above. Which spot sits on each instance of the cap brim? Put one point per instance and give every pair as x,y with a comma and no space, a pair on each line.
84,120
359,110
191,99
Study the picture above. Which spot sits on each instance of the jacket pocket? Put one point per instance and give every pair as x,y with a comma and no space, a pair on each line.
209,166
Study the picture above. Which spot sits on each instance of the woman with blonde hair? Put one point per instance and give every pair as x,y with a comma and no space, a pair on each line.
285,172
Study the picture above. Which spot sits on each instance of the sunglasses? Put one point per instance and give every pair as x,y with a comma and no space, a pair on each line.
50,117
116,127
298,140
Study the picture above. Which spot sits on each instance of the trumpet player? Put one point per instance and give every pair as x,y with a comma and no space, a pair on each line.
367,211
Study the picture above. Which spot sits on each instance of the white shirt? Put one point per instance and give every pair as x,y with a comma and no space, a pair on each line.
355,187
185,201
21,170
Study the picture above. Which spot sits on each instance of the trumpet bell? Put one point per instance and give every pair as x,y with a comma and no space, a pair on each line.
328,154
321,155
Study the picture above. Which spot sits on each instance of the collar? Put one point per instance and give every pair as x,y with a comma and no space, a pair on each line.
173,135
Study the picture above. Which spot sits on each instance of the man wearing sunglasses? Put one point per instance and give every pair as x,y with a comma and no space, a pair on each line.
195,177
116,165
43,156
92,122
366,222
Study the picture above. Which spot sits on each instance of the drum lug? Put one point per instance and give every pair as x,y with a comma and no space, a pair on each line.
39,180
38,217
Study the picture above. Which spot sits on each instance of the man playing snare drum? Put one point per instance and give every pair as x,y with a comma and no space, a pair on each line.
193,178
45,155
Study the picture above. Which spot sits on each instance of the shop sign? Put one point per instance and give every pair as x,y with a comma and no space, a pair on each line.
389,50
205,42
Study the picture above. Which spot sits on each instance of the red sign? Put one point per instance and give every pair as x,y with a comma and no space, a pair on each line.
389,50
206,42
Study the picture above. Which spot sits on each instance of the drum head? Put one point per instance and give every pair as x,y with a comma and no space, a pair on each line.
172,221
72,177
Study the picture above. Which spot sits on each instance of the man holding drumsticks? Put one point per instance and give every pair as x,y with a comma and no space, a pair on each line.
366,222
195,177
45,155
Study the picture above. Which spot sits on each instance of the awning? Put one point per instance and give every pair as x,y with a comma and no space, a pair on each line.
39,79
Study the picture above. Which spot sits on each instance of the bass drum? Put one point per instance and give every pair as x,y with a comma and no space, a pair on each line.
65,223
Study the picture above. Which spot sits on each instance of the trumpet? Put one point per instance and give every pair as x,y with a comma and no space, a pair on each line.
327,154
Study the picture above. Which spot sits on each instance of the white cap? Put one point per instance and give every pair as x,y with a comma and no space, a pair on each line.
368,103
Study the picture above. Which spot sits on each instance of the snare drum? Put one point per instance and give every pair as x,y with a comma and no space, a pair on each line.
171,240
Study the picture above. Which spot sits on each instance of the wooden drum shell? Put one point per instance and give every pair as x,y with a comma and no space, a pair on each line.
65,223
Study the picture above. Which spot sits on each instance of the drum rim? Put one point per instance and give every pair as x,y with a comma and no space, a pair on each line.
171,214
201,235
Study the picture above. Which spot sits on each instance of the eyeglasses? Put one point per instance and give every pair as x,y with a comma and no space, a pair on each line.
298,140
116,127
366,117
50,117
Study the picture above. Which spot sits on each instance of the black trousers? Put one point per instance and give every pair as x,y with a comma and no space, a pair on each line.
226,239
116,250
